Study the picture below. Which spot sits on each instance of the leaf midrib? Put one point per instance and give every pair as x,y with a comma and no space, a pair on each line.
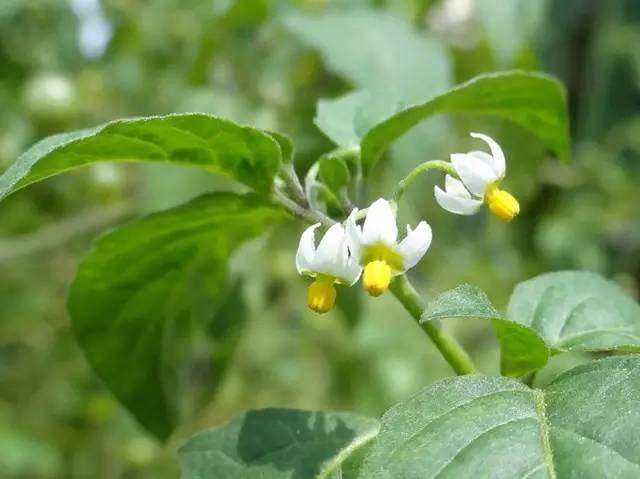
547,453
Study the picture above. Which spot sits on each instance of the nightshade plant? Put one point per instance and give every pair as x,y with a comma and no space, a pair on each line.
135,286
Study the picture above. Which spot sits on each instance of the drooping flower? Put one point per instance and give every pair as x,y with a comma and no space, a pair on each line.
376,248
328,264
480,176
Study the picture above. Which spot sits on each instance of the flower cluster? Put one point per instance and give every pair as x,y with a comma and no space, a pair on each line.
373,251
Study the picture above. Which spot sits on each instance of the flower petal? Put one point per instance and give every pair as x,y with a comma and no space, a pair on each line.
475,174
415,245
354,235
306,249
455,187
457,204
380,224
352,272
499,163
487,159
331,251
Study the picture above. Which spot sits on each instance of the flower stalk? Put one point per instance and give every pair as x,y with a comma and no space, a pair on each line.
400,286
450,349
440,165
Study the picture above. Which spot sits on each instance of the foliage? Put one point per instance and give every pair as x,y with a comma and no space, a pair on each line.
186,325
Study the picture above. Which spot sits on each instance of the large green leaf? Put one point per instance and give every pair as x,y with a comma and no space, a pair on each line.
336,118
535,101
279,444
136,291
577,311
583,425
216,145
390,56
522,349
392,65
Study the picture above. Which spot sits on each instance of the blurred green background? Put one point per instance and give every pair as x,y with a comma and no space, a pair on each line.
73,64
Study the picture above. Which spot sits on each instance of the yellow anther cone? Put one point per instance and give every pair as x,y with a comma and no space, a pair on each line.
502,204
376,277
321,295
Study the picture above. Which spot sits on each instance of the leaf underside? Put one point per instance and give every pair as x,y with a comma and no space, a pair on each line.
577,311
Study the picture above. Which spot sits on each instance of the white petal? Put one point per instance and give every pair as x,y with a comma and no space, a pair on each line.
487,159
380,224
354,235
455,187
331,251
499,163
338,263
457,204
306,249
475,174
352,272
415,245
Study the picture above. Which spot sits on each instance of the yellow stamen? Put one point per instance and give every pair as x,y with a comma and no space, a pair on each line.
376,277
321,295
501,203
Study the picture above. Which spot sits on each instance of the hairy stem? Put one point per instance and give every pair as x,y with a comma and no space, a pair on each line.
305,214
450,349
292,181
404,292
444,166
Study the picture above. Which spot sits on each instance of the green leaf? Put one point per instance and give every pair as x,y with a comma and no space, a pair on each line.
279,444
135,293
583,425
334,172
534,101
390,57
387,80
245,154
522,349
336,118
286,146
511,26
577,311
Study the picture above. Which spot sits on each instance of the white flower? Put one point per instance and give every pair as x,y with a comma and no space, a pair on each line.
376,248
480,176
329,263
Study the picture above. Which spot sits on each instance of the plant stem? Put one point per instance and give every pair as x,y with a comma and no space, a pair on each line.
293,183
450,349
305,214
404,292
444,166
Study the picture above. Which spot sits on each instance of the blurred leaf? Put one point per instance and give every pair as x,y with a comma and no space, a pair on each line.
577,311
221,146
533,100
278,443
388,56
392,64
509,26
134,294
584,424
336,118
522,349
350,302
